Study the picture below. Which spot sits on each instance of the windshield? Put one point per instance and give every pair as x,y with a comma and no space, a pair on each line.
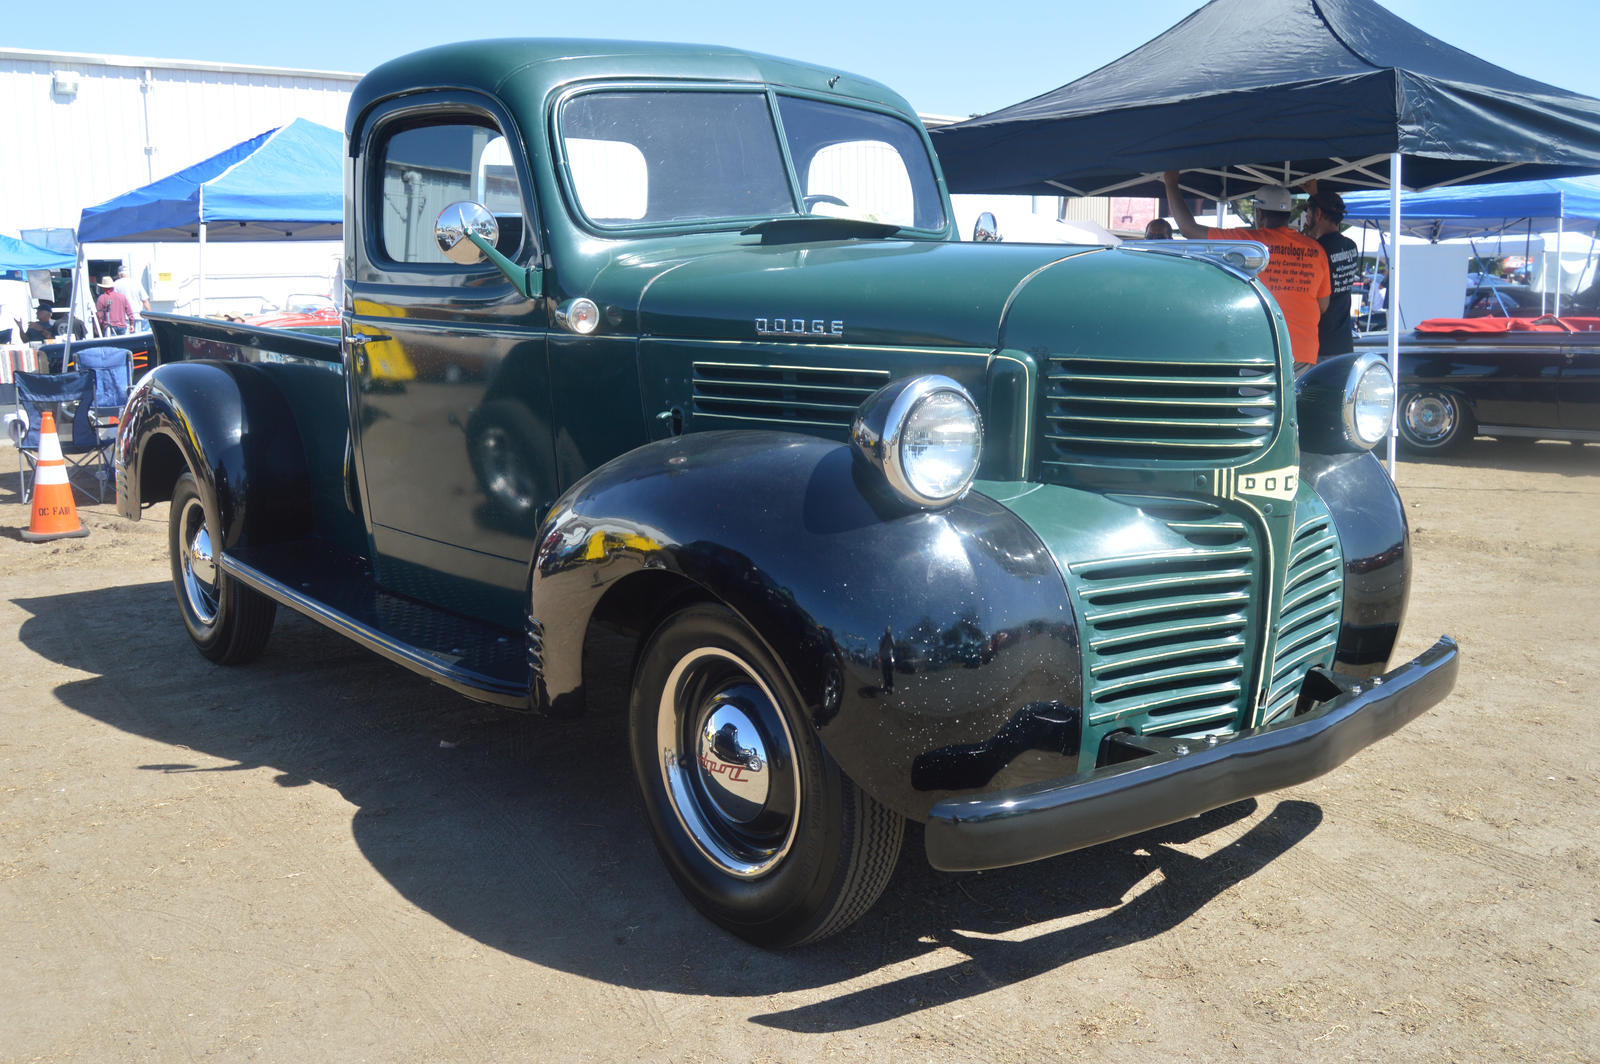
663,157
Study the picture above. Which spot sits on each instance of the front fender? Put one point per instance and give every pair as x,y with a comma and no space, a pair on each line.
931,650
1376,540
232,428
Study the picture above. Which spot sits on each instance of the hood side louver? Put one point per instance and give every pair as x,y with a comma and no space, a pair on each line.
1162,413
731,395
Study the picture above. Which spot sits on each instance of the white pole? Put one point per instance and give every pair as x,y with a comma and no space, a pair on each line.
1393,302
1560,227
200,284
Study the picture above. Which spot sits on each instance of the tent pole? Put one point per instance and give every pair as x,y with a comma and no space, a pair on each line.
72,307
200,283
1560,227
1393,302
72,304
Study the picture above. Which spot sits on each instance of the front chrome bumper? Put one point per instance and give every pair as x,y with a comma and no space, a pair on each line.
1185,778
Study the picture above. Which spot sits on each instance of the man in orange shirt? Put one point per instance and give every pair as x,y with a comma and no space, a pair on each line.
1296,272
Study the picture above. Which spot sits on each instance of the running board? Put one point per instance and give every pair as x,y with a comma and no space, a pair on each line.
471,657
1580,435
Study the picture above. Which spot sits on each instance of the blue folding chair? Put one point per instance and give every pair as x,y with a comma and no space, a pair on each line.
70,397
113,377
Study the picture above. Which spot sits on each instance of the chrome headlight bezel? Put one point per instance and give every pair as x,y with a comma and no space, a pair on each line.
1326,403
1369,371
879,436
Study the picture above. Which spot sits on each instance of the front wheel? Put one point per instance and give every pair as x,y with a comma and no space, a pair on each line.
228,622
1434,422
761,830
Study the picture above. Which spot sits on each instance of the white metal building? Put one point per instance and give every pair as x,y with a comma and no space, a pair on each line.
84,128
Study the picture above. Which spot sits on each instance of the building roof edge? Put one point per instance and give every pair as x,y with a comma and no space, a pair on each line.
148,63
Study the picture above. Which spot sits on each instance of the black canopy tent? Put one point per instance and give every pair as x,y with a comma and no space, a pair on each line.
1249,91
1246,92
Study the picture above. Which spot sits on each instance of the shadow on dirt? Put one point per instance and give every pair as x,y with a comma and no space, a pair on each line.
1515,456
525,834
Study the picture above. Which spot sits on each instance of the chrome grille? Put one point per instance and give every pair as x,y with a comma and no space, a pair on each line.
1162,412
1313,599
1168,634
741,395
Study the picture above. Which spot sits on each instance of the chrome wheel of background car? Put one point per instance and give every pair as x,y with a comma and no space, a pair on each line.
501,437
1434,421
756,823
505,477
199,568
228,622
727,762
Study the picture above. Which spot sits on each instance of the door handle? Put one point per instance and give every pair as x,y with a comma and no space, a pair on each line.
358,349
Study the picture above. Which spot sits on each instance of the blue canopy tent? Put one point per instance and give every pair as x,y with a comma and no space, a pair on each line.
1474,210
285,184
18,256
1457,211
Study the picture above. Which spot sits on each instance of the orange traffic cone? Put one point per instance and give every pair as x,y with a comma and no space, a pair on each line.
55,516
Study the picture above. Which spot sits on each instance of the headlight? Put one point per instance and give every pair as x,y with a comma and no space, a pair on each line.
924,435
1369,400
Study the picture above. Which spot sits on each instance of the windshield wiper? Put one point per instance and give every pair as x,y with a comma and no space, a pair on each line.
818,227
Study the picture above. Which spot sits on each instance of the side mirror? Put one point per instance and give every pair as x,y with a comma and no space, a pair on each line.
456,222
986,230
466,234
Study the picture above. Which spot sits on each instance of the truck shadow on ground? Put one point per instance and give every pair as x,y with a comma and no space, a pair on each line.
525,834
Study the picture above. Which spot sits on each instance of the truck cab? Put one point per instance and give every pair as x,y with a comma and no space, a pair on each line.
1039,546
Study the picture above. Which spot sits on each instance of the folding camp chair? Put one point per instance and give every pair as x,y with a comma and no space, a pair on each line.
70,397
113,375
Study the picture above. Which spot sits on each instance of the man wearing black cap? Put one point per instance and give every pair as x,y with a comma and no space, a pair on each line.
1324,212
41,329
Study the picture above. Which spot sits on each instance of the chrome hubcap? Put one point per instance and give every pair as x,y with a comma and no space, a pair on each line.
733,763
727,762
1430,418
198,565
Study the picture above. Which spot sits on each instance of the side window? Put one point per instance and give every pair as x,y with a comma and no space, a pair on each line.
425,166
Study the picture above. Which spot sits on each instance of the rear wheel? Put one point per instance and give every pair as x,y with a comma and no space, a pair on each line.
228,622
1434,422
761,830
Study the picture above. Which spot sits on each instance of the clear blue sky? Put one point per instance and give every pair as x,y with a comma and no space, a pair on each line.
943,56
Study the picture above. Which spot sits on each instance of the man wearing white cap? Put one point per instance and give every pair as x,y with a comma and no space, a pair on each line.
138,299
112,309
1296,273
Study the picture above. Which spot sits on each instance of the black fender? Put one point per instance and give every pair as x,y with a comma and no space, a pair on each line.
929,649
233,429
1376,540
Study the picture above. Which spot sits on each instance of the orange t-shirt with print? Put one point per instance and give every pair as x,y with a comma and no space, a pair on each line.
1297,276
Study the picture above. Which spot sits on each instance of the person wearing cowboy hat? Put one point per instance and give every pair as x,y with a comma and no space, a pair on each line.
113,310
1296,272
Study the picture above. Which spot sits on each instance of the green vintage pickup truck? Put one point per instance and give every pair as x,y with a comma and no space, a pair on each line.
1037,546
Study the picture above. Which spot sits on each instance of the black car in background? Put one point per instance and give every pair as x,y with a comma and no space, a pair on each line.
1538,380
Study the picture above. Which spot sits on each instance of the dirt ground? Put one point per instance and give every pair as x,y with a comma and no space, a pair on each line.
321,857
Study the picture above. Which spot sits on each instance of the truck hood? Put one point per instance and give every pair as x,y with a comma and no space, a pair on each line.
899,293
